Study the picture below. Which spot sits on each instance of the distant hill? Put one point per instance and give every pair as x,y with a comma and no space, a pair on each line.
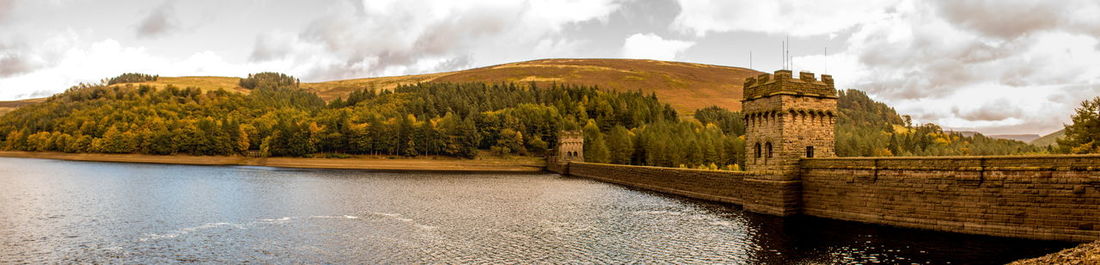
964,133
1018,137
1049,139
685,86
7,106
206,83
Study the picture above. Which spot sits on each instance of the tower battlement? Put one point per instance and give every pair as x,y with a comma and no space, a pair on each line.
783,82
787,119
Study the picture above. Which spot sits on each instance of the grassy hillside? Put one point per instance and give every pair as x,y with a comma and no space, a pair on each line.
685,86
205,83
8,106
1049,139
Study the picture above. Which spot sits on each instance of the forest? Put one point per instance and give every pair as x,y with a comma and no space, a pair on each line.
869,128
278,118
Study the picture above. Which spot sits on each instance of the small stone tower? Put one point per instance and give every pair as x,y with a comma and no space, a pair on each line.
570,147
787,119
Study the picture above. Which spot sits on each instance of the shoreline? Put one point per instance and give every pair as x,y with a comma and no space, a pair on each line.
1087,253
489,165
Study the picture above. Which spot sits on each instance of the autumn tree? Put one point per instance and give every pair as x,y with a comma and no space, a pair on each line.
1083,135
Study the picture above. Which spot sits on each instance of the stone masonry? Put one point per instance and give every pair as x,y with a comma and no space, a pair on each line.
792,169
788,119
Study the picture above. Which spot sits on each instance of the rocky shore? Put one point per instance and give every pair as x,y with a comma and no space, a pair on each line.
1084,254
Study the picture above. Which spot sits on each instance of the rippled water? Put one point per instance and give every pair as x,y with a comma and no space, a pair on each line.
83,212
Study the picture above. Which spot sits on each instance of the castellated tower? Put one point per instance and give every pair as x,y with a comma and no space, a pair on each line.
787,119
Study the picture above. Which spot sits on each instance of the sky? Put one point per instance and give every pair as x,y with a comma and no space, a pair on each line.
998,67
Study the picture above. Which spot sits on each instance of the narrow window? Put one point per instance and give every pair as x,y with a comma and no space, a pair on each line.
809,151
768,146
756,148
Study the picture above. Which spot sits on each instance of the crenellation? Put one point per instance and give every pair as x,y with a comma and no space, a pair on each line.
806,77
778,113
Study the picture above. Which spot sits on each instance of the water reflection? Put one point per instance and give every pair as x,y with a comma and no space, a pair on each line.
58,211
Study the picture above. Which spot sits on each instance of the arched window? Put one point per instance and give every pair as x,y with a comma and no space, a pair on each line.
756,149
768,146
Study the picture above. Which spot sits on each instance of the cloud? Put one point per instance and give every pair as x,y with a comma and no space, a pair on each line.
797,18
994,110
7,8
158,23
67,59
404,37
14,64
953,64
13,61
1015,18
651,46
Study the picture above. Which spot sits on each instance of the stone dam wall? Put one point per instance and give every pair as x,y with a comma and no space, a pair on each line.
1036,197
754,191
1041,197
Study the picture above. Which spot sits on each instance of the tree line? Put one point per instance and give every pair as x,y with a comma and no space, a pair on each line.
1083,134
869,128
131,78
278,118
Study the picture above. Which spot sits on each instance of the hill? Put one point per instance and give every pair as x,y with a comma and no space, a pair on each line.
685,86
866,127
205,83
1018,137
8,106
1049,139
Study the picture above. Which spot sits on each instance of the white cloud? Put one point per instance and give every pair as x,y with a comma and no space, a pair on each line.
971,75
65,60
651,46
405,37
797,18
159,22
351,39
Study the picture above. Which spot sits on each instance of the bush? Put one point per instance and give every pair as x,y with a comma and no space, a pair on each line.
132,78
268,80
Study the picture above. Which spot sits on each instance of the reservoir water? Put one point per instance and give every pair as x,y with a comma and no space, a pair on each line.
87,212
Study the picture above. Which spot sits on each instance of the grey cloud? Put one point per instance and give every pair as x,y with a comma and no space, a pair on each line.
269,47
996,110
362,40
158,23
14,65
408,37
14,60
1075,94
7,8
455,63
930,65
1013,19
360,10
1003,19
37,94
